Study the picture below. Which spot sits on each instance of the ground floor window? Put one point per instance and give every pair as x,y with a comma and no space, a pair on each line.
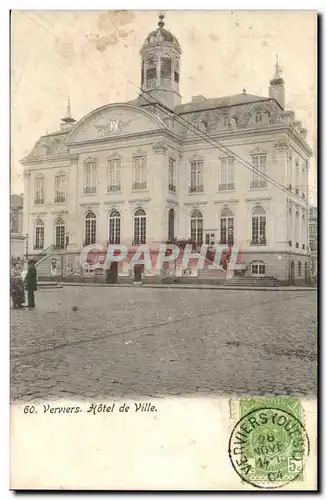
258,269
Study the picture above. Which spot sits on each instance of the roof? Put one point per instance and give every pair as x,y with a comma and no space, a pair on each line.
219,102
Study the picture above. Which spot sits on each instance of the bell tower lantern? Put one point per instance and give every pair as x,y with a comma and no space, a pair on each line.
160,65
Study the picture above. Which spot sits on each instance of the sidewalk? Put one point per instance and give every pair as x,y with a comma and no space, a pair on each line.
51,285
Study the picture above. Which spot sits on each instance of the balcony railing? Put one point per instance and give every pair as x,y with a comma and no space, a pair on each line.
113,188
39,201
259,242
60,199
139,185
226,187
90,189
258,184
196,189
172,187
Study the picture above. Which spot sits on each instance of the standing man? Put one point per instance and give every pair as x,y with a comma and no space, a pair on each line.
31,283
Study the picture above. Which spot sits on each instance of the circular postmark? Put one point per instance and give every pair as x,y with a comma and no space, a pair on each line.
268,448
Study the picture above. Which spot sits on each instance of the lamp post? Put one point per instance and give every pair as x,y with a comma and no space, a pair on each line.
26,246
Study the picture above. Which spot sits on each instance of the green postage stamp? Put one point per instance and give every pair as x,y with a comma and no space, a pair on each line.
269,445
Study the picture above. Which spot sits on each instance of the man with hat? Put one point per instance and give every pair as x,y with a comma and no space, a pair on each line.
31,283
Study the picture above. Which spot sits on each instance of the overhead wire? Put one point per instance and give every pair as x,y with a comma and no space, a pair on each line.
172,114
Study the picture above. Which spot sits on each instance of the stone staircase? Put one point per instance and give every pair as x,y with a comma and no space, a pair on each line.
251,281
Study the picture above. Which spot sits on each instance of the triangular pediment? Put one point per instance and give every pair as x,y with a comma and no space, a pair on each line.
114,120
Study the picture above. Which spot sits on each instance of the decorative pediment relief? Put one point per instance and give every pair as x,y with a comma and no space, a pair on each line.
90,159
114,120
139,152
114,156
196,157
258,151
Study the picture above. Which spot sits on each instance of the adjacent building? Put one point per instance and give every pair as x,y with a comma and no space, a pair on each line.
156,168
313,241
17,238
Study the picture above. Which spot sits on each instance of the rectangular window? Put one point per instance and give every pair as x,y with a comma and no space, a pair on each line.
226,174
172,175
90,170
165,71
176,77
39,191
258,269
196,185
60,189
114,174
259,163
151,74
139,173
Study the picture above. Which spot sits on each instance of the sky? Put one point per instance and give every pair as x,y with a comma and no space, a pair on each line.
93,57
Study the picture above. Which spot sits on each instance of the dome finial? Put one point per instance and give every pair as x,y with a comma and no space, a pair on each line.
278,69
68,116
161,24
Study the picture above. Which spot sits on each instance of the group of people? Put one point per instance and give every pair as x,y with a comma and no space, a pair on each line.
21,280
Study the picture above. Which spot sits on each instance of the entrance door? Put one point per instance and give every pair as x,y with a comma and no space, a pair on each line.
112,273
292,272
171,224
138,273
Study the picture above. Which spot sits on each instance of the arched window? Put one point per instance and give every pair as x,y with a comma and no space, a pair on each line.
258,268
60,233
299,268
197,227
226,224
139,227
259,223
90,229
171,224
258,117
227,122
39,234
114,227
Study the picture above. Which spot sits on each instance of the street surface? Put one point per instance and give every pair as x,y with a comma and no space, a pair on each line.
156,342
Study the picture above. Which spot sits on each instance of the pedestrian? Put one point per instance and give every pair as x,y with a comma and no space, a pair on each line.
17,286
31,283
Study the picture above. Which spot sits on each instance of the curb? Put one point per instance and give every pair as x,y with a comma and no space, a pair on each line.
189,287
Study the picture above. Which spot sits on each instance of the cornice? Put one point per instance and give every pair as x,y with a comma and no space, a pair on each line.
71,158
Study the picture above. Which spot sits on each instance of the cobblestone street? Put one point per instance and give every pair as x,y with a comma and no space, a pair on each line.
147,342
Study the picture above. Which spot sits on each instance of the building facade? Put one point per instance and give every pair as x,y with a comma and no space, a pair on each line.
220,170
17,238
313,241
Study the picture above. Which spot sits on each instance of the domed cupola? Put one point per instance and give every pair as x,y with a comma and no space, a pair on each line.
160,71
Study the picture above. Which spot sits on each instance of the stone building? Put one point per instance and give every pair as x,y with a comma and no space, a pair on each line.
142,172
